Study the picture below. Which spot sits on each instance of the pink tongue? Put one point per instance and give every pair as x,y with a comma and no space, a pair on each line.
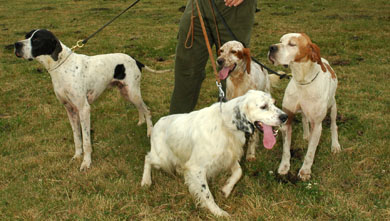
268,138
224,73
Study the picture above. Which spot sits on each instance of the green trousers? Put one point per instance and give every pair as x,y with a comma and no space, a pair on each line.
190,62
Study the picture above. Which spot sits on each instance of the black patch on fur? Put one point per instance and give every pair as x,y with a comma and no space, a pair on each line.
241,122
119,72
204,186
43,42
140,65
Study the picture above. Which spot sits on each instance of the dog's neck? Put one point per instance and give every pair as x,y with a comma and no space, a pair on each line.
304,72
50,64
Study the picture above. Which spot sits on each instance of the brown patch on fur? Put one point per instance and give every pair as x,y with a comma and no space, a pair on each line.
308,50
330,70
248,60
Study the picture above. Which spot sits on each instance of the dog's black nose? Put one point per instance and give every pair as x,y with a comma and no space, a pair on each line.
283,117
220,61
273,48
18,45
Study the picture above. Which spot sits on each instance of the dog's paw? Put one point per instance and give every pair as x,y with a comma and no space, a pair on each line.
227,190
304,174
283,169
250,158
336,148
85,165
221,213
146,182
77,156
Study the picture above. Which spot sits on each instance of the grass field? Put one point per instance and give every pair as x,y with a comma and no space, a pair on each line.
38,180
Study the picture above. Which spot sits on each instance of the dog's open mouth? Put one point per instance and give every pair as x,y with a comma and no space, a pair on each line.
18,54
224,72
269,134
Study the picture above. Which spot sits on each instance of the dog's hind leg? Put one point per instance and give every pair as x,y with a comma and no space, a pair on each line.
75,123
85,121
333,128
196,180
133,94
233,179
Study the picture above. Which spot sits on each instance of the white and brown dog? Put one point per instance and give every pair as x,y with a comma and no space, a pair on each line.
78,80
201,144
311,91
242,75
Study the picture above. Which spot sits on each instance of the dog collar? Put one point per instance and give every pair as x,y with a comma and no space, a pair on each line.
71,52
309,81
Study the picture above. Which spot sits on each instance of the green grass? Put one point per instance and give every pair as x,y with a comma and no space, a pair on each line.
38,181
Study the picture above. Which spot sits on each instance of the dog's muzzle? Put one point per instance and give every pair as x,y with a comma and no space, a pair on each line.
18,49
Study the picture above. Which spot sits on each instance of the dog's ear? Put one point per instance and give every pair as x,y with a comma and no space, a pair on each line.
57,49
241,122
28,35
247,57
315,56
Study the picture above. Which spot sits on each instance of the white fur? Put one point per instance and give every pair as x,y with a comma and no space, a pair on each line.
203,143
311,91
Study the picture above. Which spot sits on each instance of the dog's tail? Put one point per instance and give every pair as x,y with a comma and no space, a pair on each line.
156,71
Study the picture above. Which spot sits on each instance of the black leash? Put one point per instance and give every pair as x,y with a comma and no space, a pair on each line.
281,76
81,43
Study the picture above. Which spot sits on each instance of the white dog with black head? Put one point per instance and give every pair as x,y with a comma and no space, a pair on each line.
78,80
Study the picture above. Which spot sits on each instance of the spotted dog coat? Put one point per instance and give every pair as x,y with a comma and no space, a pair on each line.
201,144
78,80
242,75
311,91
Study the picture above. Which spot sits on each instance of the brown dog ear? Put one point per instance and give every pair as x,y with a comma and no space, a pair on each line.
316,56
247,57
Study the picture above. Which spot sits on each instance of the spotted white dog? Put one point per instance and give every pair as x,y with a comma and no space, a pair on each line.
203,143
78,80
311,91
243,75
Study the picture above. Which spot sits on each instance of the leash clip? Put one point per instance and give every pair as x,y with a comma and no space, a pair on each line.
221,93
79,44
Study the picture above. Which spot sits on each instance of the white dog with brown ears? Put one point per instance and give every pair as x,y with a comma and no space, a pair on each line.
201,144
311,91
243,75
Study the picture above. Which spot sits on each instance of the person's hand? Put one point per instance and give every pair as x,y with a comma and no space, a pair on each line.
231,3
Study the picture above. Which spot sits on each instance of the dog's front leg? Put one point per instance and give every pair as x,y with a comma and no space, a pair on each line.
305,171
284,166
196,180
84,113
233,179
252,143
75,123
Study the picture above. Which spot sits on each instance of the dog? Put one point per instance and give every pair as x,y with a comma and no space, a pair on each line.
311,91
78,80
201,144
242,75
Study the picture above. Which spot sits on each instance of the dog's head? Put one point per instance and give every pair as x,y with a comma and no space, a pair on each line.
294,47
37,43
257,109
231,56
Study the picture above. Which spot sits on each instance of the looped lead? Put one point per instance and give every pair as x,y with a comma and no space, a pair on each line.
79,44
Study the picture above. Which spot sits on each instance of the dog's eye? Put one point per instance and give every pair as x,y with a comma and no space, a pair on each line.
264,107
233,51
292,44
220,51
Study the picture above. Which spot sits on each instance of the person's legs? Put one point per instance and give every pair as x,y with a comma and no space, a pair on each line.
190,62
